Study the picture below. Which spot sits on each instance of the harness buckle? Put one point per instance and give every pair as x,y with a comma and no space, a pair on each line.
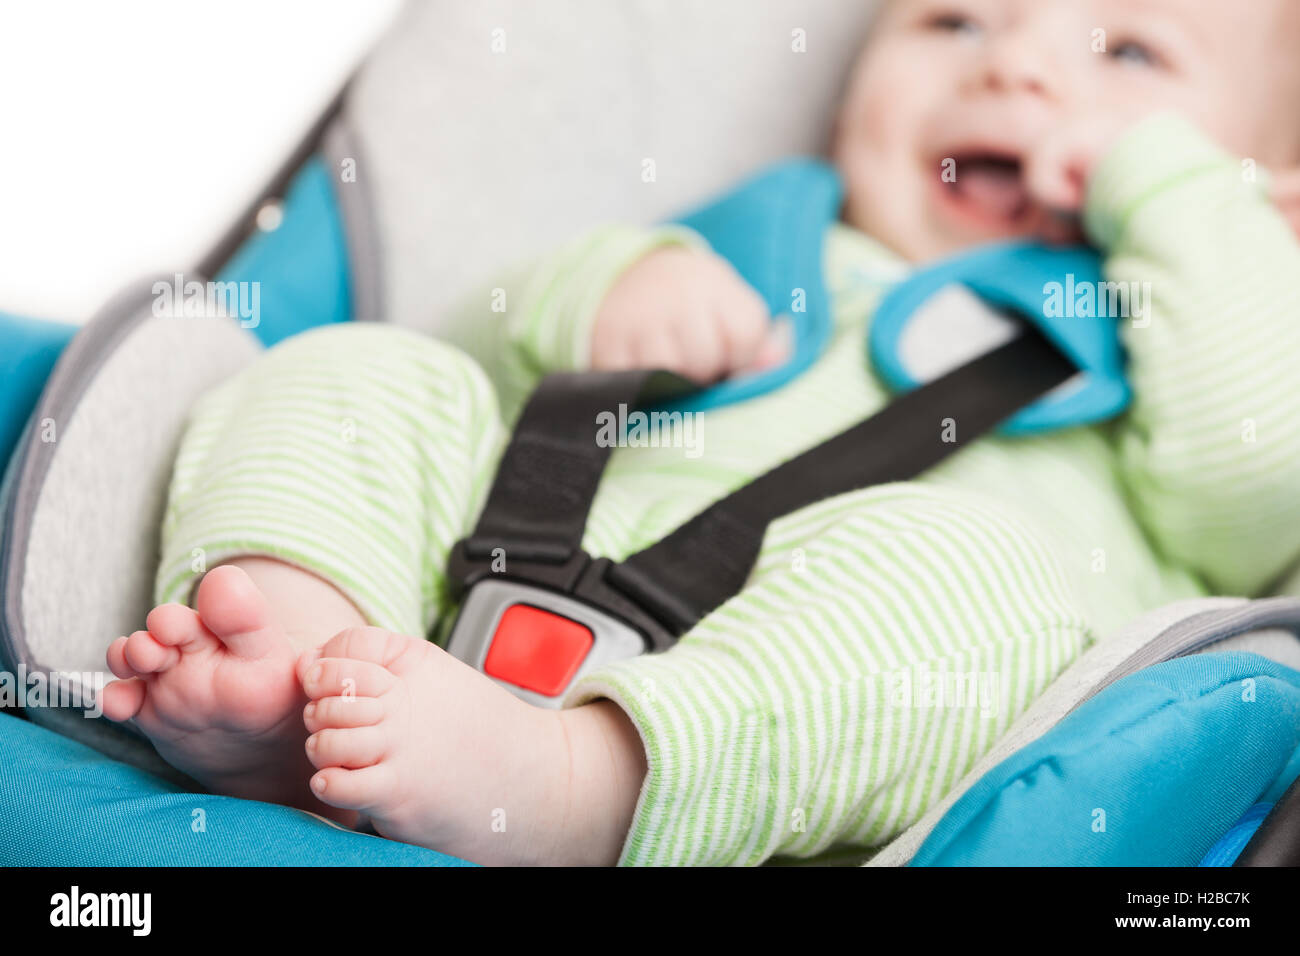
542,621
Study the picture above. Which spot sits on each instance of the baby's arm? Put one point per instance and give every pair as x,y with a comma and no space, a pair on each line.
528,322
617,297
1210,450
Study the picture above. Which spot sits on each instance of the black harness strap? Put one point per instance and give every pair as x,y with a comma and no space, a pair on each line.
537,508
708,559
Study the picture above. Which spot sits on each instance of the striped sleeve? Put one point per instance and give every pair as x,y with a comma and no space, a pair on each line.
1210,450
538,320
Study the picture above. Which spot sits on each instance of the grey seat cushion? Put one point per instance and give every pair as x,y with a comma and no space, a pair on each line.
480,159
87,490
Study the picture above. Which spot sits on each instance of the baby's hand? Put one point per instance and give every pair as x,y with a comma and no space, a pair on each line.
1060,166
1286,195
687,311
1059,169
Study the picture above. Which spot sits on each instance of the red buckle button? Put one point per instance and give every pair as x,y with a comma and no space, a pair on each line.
537,650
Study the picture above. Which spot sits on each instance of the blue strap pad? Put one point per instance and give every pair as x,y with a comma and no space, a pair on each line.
1058,289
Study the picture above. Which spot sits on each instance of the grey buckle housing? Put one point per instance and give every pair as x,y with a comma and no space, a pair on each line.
487,602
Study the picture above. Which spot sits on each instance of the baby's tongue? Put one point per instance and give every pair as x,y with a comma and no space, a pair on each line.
994,185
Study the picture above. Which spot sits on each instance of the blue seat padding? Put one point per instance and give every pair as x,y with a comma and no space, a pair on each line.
1229,847
1150,772
67,805
28,350
302,266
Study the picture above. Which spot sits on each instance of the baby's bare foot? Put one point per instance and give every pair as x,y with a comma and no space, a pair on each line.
440,755
216,692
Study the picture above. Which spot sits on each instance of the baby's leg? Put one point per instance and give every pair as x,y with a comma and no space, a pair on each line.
323,486
884,641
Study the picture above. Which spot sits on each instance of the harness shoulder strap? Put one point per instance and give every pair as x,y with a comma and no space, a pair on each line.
537,508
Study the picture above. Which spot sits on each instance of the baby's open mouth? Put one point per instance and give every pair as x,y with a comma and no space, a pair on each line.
988,188
993,182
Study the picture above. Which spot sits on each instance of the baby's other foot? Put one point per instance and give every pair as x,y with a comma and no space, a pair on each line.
215,690
434,752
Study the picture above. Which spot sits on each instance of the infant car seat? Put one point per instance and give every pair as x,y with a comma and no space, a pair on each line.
474,138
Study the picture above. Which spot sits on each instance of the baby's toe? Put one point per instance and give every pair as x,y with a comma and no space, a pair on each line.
372,644
343,677
354,789
144,655
116,658
175,625
342,712
235,611
351,748
122,699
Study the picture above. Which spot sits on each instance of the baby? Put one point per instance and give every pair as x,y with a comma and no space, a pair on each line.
327,482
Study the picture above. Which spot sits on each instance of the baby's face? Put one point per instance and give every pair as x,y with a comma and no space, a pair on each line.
976,86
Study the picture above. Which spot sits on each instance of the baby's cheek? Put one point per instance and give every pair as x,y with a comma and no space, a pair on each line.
880,104
880,182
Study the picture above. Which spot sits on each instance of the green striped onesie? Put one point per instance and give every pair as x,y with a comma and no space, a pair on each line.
888,636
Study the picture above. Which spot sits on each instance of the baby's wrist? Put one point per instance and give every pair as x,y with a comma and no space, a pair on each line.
1160,152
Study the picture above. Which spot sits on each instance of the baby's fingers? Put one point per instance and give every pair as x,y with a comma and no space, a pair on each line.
775,349
658,347
1056,174
701,348
1286,196
746,326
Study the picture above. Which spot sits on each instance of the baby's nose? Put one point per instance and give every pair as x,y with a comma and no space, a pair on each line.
1015,61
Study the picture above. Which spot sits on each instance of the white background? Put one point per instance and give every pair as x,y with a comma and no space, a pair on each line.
134,132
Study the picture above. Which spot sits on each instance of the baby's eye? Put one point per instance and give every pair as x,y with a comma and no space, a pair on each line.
953,22
1135,53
